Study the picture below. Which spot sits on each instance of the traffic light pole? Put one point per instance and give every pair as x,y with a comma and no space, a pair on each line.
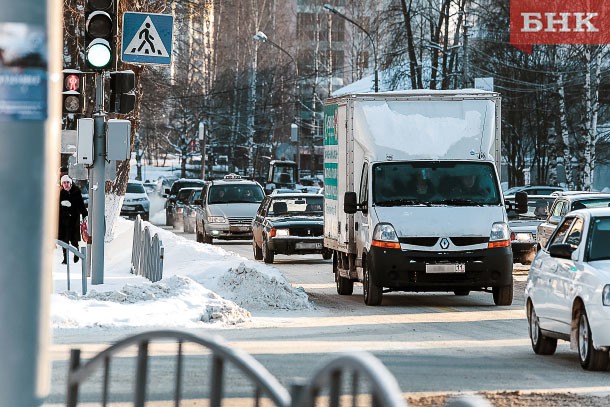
98,184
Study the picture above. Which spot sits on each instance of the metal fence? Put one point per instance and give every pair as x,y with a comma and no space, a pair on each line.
146,253
354,379
82,256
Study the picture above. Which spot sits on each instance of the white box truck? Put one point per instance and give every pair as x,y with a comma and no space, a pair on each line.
412,194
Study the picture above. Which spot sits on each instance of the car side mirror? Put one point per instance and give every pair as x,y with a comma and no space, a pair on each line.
521,202
561,250
350,202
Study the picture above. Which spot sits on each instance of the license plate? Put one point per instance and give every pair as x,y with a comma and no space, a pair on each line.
445,268
308,245
128,207
240,228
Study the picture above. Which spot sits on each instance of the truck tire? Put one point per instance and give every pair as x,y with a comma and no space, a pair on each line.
345,286
327,254
503,295
542,345
258,253
267,254
372,293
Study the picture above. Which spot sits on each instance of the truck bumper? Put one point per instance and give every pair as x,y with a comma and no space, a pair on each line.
406,270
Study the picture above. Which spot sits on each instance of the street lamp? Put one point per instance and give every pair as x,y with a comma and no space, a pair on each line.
336,12
262,37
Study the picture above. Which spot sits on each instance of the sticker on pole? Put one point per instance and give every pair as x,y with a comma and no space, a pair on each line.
147,38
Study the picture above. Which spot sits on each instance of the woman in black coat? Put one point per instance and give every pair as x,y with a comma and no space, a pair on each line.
71,207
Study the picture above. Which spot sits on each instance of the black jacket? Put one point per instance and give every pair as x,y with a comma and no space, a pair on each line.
71,206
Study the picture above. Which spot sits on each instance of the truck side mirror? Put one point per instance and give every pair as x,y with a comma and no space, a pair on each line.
350,204
521,202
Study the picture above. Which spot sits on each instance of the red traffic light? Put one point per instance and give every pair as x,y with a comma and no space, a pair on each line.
72,92
72,82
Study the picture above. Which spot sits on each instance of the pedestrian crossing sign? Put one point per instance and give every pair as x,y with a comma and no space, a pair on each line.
147,38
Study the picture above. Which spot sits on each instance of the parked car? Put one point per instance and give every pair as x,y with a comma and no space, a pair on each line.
564,203
534,190
150,186
171,193
289,224
189,212
523,226
567,294
136,201
227,208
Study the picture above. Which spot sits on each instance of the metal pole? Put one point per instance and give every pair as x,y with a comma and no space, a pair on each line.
98,184
30,124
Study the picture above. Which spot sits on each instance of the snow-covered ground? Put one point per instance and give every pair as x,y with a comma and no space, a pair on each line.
202,284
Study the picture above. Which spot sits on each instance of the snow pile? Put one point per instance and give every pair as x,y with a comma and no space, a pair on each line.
201,284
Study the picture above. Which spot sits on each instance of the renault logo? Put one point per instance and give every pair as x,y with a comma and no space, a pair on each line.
444,243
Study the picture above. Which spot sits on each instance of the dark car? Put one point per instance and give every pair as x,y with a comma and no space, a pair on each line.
289,224
523,226
534,190
189,213
566,202
172,193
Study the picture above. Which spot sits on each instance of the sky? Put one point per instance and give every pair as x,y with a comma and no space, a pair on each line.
202,286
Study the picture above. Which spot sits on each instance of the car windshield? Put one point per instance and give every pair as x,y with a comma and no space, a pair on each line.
435,183
178,185
536,208
294,205
135,188
599,239
235,194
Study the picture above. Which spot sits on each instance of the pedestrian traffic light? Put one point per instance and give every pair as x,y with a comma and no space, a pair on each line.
122,96
100,26
72,102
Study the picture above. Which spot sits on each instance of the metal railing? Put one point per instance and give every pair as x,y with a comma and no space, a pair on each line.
265,384
81,254
146,253
367,380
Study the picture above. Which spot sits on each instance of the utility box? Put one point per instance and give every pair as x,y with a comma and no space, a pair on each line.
117,139
84,141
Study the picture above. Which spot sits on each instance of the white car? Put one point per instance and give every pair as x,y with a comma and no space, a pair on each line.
567,295
136,201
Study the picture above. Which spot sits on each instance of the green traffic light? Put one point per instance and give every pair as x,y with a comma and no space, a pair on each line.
99,53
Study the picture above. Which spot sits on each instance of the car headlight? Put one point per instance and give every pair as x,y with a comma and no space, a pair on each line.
216,219
606,295
499,236
385,236
140,200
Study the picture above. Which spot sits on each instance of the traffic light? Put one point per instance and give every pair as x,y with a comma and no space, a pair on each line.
100,23
122,96
72,102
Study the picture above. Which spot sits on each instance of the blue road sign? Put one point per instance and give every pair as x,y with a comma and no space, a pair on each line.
147,38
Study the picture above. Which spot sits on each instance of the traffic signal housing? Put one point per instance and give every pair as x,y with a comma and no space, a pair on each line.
122,96
100,29
72,102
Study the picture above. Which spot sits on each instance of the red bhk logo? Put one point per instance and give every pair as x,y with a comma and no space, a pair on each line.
559,22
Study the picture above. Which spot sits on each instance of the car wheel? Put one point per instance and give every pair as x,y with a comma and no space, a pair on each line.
542,345
590,358
461,293
199,238
145,216
345,286
168,219
503,295
267,254
372,293
206,238
327,254
258,253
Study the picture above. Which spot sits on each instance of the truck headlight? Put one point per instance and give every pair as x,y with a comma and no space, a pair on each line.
499,236
216,219
385,236
606,295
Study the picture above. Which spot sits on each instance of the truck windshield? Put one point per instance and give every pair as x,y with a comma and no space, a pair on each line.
455,183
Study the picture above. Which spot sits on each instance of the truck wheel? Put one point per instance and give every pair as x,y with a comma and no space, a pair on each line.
345,286
267,254
590,358
503,295
258,253
542,345
372,293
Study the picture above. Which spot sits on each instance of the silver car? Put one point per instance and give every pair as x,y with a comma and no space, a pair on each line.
227,209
